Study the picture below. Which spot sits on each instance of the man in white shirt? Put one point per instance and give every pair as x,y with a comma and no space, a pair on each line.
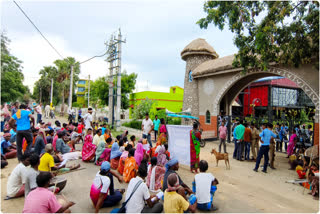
17,178
88,119
98,138
147,127
205,186
47,110
39,112
136,204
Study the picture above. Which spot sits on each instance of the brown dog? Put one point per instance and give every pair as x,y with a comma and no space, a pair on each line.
221,156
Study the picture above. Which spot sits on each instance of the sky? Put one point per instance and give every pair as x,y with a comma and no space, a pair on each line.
155,32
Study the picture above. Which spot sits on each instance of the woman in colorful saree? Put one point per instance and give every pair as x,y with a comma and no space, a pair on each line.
115,156
88,149
138,155
163,128
123,158
162,157
292,143
130,167
102,153
195,137
162,139
155,175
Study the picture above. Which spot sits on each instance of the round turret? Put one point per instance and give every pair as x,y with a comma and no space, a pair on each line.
199,47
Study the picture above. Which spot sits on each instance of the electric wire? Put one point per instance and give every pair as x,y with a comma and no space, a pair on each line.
37,29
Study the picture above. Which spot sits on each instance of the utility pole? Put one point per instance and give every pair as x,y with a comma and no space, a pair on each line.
114,59
110,60
118,82
71,85
89,91
51,92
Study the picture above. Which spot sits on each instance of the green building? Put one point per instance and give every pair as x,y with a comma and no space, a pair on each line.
171,101
82,89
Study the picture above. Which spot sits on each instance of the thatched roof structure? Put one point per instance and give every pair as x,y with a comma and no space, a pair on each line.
198,47
215,65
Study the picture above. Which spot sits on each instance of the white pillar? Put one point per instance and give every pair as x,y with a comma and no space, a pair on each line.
89,92
71,85
51,92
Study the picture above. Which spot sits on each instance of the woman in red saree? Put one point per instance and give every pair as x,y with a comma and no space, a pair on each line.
195,137
88,149
155,175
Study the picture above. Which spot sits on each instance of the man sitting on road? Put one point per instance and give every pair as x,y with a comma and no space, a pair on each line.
171,167
42,200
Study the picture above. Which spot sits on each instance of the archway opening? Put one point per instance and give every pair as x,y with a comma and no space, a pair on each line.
267,97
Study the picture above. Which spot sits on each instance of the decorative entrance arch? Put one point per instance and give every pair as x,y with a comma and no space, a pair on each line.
214,79
273,71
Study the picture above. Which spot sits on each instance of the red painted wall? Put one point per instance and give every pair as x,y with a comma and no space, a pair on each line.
316,134
209,130
260,92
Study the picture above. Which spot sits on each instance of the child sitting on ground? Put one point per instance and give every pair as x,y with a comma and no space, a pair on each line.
204,187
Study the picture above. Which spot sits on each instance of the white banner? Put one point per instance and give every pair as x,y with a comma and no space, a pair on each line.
179,143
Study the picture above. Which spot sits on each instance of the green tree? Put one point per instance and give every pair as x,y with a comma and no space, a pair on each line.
63,77
12,87
144,107
99,89
284,32
128,84
42,87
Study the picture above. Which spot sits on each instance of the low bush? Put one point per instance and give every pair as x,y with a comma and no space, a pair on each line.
135,124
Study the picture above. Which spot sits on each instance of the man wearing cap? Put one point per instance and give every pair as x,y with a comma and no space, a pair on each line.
171,167
8,149
22,119
88,119
102,185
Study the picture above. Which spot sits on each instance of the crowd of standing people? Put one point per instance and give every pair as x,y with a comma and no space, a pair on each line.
264,141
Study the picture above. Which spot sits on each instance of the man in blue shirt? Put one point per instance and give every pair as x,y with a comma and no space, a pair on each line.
235,152
265,137
22,119
156,123
8,150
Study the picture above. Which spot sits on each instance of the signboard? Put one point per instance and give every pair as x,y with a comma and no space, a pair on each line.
179,143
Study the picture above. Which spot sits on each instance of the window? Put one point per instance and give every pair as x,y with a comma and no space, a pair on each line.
81,89
208,117
81,82
190,76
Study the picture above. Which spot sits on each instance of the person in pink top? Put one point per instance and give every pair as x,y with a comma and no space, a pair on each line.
292,142
42,200
223,136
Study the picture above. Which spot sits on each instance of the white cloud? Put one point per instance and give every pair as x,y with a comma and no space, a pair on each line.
143,85
36,53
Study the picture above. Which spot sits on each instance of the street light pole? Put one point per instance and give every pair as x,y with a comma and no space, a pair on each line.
51,92
71,85
89,91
